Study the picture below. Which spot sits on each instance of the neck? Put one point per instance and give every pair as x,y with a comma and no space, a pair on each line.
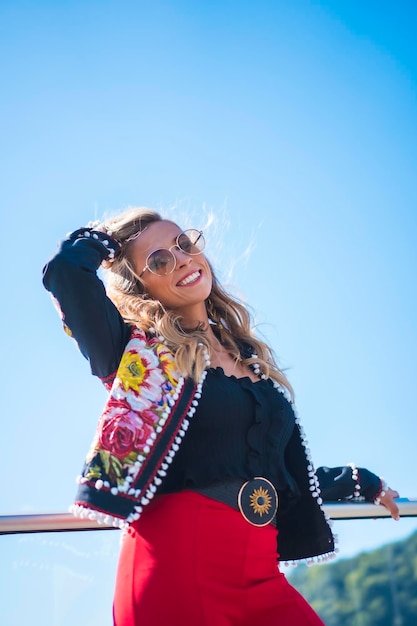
194,317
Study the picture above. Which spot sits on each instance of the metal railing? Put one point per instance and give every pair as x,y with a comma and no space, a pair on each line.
60,522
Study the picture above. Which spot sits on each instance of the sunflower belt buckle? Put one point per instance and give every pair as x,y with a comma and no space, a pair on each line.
258,501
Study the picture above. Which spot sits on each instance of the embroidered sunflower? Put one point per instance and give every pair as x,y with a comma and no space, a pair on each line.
260,501
132,371
140,377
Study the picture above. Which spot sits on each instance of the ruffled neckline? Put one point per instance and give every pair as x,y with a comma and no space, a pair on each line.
243,380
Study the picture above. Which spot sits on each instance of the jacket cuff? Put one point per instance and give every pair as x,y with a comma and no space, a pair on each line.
370,484
110,245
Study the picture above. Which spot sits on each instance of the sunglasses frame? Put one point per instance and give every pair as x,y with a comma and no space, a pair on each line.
176,245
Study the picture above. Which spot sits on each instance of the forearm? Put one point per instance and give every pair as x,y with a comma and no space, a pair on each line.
87,313
347,482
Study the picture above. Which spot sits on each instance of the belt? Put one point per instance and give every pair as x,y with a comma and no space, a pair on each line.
256,499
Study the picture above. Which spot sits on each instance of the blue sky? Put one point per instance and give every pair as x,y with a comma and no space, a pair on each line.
294,124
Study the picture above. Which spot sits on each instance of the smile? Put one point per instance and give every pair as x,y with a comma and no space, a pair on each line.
191,278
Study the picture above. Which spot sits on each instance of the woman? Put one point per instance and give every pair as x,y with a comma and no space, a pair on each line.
199,453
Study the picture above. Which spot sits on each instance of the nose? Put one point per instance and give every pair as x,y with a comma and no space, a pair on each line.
181,257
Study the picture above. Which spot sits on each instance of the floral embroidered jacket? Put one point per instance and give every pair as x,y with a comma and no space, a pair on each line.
142,426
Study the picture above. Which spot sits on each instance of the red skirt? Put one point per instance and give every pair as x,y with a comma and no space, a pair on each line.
193,561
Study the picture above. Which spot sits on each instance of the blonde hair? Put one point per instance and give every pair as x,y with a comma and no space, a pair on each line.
231,318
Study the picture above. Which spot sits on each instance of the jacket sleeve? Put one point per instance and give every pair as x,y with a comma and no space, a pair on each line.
303,531
348,482
88,315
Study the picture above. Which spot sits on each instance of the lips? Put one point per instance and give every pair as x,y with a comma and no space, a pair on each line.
189,279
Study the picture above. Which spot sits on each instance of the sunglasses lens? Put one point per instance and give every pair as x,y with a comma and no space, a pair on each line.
191,241
161,262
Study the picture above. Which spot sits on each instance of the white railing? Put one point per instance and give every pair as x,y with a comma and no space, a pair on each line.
54,522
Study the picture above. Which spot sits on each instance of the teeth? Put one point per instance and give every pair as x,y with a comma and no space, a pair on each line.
191,278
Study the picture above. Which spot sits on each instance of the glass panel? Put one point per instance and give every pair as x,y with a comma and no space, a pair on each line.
58,579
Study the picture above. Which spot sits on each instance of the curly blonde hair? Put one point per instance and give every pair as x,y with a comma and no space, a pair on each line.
230,318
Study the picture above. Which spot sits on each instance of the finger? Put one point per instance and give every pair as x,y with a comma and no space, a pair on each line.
388,501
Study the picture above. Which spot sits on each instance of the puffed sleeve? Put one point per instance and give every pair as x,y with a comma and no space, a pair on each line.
88,315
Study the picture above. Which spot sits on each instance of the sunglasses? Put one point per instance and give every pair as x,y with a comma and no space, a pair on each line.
163,261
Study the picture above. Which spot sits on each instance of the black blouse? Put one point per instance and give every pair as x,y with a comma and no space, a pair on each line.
240,430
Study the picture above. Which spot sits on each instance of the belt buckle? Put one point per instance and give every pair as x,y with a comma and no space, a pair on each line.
258,501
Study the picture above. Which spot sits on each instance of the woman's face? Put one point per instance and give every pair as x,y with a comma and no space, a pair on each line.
188,286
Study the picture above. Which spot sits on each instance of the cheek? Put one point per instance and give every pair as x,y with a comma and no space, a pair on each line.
208,273
155,288
161,288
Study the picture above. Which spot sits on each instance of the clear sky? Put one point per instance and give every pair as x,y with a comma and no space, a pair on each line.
295,125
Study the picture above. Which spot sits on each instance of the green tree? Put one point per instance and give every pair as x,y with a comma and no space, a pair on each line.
377,588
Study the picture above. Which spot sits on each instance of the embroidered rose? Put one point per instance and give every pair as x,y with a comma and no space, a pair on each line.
124,432
149,417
